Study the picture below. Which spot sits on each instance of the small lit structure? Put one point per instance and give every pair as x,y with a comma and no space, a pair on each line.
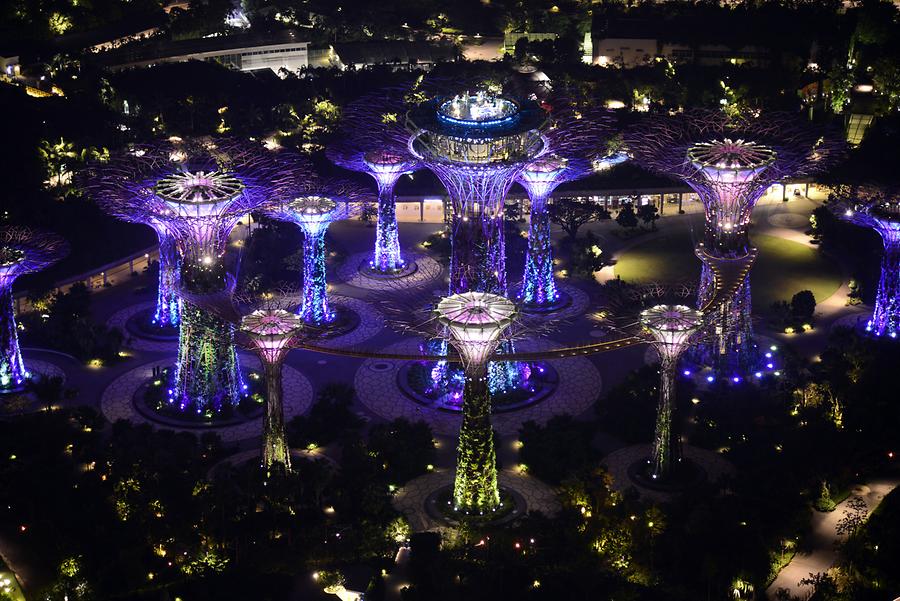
877,207
672,327
272,333
475,321
22,251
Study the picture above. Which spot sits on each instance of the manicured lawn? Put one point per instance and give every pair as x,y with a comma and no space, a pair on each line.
782,269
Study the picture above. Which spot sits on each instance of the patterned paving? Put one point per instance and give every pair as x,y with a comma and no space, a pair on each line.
410,500
371,322
117,401
427,270
376,386
121,317
618,462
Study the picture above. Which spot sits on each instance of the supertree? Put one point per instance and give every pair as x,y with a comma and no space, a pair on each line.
877,207
475,321
477,144
272,331
576,139
22,251
313,204
730,162
198,190
672,327
372,139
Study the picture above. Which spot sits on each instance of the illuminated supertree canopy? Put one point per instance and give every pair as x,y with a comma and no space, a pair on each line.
475,321
272,331
672,327
730,162
22,251
877,207
313,204
372,139
197,190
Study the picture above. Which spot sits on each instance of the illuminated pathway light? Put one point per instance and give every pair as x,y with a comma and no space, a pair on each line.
475,321
22,251
672,327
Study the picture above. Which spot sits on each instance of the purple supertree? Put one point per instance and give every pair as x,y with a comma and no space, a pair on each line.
477,144
575,140
877,207
197,190
22,251
372,139
312,204
730,162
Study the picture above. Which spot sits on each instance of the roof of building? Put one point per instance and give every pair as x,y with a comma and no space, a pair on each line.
395,52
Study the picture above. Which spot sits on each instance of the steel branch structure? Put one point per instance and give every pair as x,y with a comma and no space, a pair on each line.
877,207
730,162
373,139
197,190
22,251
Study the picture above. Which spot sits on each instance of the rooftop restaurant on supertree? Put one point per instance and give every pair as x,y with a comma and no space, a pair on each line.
312,204
574,139
877,207
373,139
477,144
22,251
730,162
198,190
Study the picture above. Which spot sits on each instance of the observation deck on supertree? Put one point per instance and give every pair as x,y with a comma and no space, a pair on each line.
672,327
574,142
730,162
197,190
313,204
372,139
477,144
22,251
475,321
877,207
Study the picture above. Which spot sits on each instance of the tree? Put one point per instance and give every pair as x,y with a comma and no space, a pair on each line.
803,305
648,214
50,391
570,214
627,217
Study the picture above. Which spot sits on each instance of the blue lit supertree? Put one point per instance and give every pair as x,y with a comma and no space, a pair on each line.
730,162
576,140
877,207
22,251
372,139
304,199
197,190
477,144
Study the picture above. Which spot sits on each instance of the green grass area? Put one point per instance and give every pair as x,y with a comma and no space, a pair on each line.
782,269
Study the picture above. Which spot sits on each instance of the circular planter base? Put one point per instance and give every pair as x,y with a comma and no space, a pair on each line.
543,381
439,506
685,475
141,325
345,321
563,301
366,269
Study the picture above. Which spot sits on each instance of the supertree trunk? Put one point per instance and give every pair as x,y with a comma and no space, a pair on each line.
885,320
477,256
666,447
315,308
168,306
475,489
12,368
386,258
275,446
729,345
539,287
206,374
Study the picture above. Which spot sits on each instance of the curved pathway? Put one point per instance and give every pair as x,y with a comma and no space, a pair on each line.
427,270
